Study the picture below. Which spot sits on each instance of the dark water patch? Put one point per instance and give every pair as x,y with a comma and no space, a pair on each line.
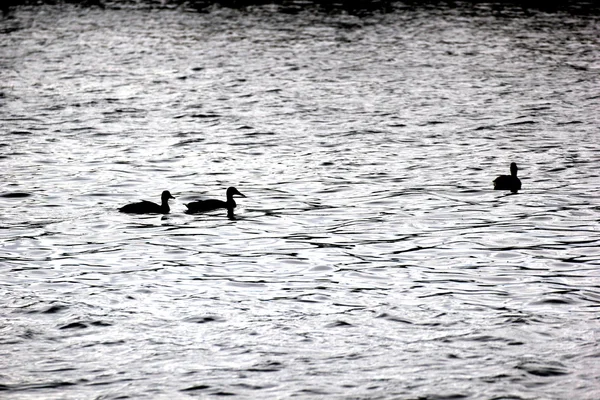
74,325
82,129
15,195
125,110
52,309
267,366
557,169
517,320
486,128
313,392
543,370
41,386
188,133
353,7
452,396
206,115
203,319
576,122
526,122
100,134
251,134
339,324
101,194
487,338
303,299
433,123
188,142
100,323
224,393
555,301
254,387
196,388
394,318
56,107
83,325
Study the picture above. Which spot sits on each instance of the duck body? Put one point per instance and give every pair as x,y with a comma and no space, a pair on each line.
214,204
508,182
148,207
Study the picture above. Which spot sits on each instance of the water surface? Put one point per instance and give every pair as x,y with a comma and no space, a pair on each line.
370,259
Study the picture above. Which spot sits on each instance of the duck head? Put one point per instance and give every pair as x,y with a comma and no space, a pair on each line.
166,195
233,192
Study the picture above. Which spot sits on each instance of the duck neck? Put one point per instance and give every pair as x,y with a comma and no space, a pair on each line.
165,205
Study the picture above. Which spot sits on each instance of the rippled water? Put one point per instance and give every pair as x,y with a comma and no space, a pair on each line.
370,259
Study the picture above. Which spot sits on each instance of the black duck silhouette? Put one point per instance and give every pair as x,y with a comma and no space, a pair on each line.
508,182
148,207
214,204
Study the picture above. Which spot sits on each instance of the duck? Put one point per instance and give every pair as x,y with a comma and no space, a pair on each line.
214,204
148,207
508,182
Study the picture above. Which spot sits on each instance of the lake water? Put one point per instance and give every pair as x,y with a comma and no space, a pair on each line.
371,258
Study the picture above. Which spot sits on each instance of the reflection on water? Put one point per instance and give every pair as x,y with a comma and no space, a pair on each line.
371,258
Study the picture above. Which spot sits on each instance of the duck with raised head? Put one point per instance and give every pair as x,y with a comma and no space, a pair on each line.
508,182
148,207
214,204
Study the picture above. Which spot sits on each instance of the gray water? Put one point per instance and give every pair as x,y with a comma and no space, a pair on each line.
371,258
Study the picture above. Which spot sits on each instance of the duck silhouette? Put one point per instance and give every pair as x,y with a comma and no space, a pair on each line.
148,207
214,204
508,182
